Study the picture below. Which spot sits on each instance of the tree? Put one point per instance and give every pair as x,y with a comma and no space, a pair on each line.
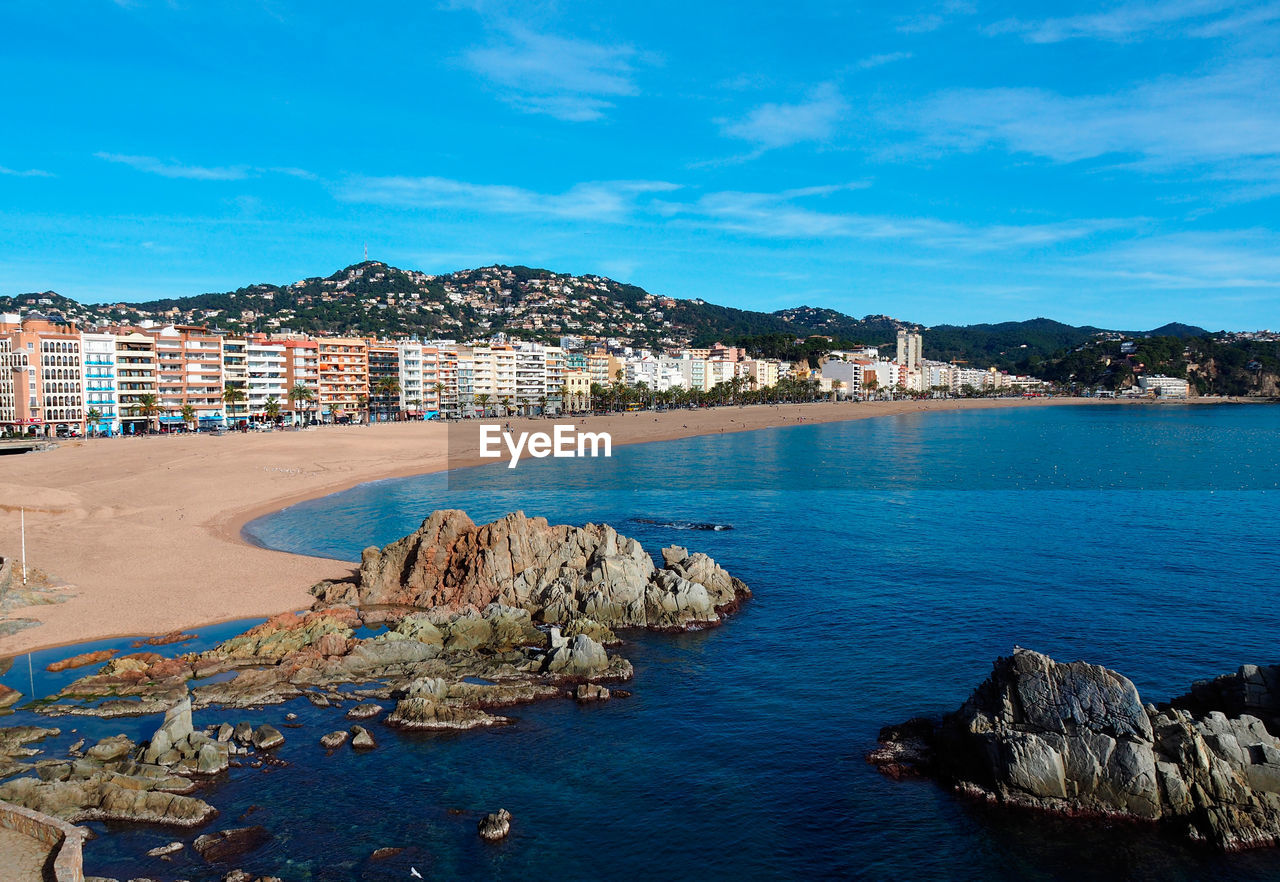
272,409
439,390
870,383
299,394
189,416
836,386
362,406
93,417
386,388
483,400
231,396
147,406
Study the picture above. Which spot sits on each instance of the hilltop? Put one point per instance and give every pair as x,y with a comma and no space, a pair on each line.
374,299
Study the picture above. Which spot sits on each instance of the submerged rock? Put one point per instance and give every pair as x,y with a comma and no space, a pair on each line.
225,844
334,740
362,739
1076,738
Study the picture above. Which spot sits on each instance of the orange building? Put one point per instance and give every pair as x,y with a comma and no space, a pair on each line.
43,392
344,377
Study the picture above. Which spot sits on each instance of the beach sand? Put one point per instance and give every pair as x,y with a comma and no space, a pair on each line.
146,531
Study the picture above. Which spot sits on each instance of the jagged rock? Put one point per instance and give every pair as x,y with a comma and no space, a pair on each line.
164,850
266,736
109,749
365,710
288,633
495,826
8,696
79,661
225,844
243,733
555,573
583,657
334,740
103,796
382,854
1076,738
225,732
426,712
361,739
591,692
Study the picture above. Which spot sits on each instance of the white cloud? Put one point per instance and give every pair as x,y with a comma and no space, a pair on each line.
1133,21
1243,260
1223,125
782,216
781,125
25,173
612,201
887,58
570,79
174,169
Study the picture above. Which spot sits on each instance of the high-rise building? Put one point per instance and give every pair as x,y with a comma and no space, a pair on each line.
301,371
188,374
136,381
384,381
266,375
910,345
101,397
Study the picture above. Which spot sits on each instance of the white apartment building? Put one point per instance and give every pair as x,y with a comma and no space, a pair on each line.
413,396
265,375
100,392
1165,387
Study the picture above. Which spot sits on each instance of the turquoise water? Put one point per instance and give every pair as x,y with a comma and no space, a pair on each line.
882,591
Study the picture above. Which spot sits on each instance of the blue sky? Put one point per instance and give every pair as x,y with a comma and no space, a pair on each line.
1113,164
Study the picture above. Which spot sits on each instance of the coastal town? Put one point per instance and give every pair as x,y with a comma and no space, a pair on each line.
61,379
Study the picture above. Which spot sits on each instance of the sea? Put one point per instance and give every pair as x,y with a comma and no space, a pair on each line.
892,560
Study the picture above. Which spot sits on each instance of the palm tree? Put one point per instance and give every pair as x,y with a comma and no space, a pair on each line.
362,406
300,393
386,389
869,383
272,409
188,416
505,401
439,390
93,417
483,400
231,396
836,386
147,406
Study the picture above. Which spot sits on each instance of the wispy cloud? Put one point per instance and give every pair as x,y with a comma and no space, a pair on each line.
25,173
770,126
1224,125
569,79
879,60
169,168
936,18
612,201
1134,21
785,215
1247,260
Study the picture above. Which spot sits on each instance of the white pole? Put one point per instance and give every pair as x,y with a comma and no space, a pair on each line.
23,514
32,674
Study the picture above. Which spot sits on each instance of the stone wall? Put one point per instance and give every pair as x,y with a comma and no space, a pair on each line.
65,840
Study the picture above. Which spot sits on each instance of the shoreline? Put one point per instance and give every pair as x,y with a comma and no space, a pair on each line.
129,551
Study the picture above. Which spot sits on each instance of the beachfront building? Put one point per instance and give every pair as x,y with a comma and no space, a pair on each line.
45,392
235,375
101,398
531,378
266,379
136,382
440,378
384,381
553,381
910,350
1162,386
301,369
344,377
575,390
189,379
411,394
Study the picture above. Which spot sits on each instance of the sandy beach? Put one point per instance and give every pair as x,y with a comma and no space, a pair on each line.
146,531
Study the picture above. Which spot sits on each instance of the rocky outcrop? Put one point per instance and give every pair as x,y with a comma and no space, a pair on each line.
554,573
1077,739
495,826
227,844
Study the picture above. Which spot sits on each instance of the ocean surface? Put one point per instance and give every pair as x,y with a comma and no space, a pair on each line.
892,561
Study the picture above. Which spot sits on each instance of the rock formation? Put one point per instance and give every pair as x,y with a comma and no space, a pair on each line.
1076,738
555,573
495,826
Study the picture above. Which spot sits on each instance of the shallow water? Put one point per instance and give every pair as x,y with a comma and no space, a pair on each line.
881,592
